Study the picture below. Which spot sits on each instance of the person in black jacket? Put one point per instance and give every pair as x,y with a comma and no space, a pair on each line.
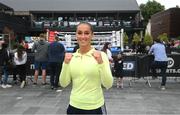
3,66
118,70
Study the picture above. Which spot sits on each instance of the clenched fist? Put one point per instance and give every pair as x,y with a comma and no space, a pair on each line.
68,57
97,55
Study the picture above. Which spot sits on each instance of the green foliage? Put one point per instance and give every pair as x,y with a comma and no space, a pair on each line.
125,39
150,8
148,40
178,38
136,38
163,37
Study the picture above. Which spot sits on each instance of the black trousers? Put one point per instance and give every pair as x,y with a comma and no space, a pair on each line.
21,71
0,73
74,110
15,73
162,65
55,69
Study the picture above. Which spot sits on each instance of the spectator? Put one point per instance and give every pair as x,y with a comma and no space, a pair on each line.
118,70
56,52
4,60
107,50
87,69
41,58
20,59
160,60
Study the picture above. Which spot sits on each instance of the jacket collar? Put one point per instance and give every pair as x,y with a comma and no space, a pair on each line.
89,53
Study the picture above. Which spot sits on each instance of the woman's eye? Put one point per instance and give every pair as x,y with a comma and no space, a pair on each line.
79,33
86,33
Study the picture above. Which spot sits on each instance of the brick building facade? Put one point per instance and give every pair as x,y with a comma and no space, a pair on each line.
166,22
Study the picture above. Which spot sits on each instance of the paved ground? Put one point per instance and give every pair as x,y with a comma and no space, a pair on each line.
138,99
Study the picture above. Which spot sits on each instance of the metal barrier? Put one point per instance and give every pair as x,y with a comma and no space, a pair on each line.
135,66
143,67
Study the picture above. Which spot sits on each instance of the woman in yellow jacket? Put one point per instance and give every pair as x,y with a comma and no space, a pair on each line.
87,69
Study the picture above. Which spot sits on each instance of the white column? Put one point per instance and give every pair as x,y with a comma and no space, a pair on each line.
113,38
118,38
121,38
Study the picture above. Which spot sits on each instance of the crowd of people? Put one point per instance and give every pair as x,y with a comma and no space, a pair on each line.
45,54
87,81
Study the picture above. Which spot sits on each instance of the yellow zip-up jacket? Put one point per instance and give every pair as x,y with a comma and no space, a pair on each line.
87,76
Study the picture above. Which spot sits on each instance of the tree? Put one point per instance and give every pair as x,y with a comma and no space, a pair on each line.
125,39
163,37
136,38
148,40
150,8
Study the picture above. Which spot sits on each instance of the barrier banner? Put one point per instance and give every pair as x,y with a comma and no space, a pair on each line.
133,66
129,66
173,68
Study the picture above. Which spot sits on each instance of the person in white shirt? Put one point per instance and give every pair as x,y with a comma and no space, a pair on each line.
20,59
107,50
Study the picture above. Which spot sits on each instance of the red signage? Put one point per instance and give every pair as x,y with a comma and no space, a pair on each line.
51,36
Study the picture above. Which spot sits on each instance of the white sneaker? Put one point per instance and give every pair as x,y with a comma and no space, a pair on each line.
8,86
163,88
117,85
22,84
59,90
121,85
3,86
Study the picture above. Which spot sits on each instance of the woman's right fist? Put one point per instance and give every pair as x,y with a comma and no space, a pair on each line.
67,58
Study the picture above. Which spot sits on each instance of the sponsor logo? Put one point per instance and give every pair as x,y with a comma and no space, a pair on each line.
128,66
173,71
32,66
170,62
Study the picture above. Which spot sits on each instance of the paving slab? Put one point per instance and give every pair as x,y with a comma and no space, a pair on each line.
138,98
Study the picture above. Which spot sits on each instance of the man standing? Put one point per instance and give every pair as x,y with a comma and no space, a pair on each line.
56,53
160,60
41,58
4,60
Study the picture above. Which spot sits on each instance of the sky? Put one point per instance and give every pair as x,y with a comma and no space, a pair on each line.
167,3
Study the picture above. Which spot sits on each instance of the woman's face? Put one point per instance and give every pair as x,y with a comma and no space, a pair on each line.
109,45
84,35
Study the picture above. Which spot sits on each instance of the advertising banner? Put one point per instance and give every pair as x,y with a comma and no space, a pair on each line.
173,68
133,66
51,36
